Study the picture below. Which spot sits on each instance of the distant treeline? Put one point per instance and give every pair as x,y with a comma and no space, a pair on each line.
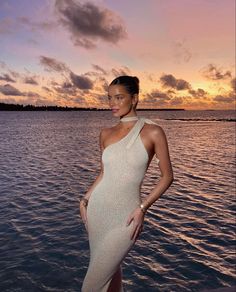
21,107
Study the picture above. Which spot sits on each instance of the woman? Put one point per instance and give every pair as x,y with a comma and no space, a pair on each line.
112,210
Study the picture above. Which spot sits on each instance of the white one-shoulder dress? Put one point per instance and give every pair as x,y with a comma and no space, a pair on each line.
110,204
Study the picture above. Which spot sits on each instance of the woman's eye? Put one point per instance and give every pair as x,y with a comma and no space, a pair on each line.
117,97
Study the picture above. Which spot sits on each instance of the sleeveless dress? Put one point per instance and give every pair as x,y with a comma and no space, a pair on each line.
112,200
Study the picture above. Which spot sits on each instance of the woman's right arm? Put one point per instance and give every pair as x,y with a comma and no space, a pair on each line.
83,208
99,177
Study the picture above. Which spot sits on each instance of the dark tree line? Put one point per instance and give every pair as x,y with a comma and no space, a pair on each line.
29,107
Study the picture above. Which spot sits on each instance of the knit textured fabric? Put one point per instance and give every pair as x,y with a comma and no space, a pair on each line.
110,204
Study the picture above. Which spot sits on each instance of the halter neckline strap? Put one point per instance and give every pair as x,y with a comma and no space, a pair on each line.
141,123
129,119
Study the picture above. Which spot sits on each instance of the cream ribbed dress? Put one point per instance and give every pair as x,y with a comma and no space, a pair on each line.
110,204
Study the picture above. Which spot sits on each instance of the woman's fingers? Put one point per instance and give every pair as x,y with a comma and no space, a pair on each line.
135,234
83,213
85,218
86,226
129,219
136,231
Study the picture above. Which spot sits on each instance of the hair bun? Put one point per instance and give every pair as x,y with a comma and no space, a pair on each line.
136,79
131,83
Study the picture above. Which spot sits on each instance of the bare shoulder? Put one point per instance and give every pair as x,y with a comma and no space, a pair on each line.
155,132
104,132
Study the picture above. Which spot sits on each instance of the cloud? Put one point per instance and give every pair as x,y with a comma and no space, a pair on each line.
197,93
7,78
12,25
14,76
103,84
224,99
168,80
31,94
46,89
51,64
157,94
181,52
81,82
88,23
34,25
212,72
120,71
233,84
30,80
35,99
30,97
14,73
8,100
178,100
155,98
66,88
8,89
3,65
100,69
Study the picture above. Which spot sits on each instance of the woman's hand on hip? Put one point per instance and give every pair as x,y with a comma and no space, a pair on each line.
83,213
138,217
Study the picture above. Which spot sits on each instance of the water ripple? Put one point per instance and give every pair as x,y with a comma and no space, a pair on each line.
48,162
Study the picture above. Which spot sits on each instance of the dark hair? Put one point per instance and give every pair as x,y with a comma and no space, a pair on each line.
131,83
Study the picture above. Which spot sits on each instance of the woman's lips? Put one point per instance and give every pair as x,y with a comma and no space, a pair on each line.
114,110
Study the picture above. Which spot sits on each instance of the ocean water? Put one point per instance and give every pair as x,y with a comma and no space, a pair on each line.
48,161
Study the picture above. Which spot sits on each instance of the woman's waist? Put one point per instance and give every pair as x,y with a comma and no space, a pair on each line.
120,183
110,206
117,191
116,196
122,178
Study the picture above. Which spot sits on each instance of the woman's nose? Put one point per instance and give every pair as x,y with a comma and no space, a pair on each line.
113,101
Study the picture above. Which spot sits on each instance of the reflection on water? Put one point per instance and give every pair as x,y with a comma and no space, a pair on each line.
49,159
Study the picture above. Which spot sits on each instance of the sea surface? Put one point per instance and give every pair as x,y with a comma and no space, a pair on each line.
48,160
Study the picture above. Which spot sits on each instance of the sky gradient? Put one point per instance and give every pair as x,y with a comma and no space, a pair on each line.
66,52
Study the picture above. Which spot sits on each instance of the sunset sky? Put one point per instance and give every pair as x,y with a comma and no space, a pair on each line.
66,52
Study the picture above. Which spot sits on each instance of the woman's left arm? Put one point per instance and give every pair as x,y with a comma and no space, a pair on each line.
162,153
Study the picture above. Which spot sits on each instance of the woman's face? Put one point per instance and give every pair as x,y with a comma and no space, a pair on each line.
120,100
